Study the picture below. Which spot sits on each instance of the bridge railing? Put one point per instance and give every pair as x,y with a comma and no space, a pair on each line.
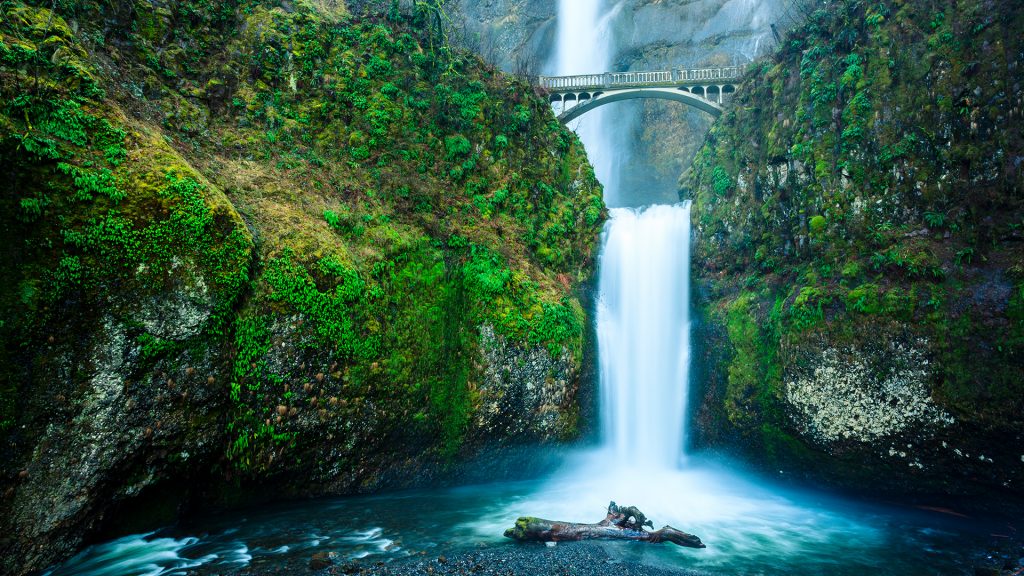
655,78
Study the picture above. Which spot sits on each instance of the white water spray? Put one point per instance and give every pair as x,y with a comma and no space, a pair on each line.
643,331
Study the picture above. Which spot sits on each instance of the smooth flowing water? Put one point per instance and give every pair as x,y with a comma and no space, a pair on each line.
643,330
750,525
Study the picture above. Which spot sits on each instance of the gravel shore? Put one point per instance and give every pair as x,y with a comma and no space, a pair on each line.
567,558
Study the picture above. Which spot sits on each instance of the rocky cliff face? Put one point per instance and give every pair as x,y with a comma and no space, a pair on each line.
858,219
269,247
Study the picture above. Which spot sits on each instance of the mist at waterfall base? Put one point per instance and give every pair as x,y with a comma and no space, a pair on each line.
751,525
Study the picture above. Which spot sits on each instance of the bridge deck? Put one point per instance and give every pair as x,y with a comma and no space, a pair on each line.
659,78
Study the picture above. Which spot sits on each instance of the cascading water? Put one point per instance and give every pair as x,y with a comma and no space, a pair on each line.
643,316
643,333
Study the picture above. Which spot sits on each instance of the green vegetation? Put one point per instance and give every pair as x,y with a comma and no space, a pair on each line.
883,207
342,201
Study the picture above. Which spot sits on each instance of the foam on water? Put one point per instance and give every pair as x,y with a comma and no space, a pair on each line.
136,555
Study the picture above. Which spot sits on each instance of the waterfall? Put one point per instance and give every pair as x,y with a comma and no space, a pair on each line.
643,332
642,319
585,46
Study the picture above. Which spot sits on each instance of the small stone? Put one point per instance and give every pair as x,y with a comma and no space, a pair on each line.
442,560
322,560
23,474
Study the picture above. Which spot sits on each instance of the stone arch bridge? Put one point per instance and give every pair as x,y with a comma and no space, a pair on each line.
703,88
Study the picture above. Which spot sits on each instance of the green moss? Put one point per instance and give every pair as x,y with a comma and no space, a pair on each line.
864,299
857,223
753,375
403,195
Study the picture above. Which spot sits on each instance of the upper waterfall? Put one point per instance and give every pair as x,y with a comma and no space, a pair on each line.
585,45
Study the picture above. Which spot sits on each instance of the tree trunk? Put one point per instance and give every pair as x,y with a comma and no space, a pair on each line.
621,523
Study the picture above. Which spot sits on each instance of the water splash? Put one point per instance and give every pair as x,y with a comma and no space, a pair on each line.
643,329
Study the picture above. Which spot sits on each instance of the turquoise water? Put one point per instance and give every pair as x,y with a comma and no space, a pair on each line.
749,525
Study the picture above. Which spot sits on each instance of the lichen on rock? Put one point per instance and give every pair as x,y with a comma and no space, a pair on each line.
852,395
181,311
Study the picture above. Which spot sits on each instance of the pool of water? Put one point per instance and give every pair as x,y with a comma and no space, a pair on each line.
750,527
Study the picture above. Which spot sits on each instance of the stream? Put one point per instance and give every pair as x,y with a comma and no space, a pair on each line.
750,526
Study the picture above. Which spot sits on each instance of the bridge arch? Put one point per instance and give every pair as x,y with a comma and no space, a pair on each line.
599,99
703,88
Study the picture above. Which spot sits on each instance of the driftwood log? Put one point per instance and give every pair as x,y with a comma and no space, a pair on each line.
621,523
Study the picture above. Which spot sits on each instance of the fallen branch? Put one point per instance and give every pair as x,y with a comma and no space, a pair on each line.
621,523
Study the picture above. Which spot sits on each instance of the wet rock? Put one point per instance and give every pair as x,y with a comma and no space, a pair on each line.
525,391
180,310
322,560
113,422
